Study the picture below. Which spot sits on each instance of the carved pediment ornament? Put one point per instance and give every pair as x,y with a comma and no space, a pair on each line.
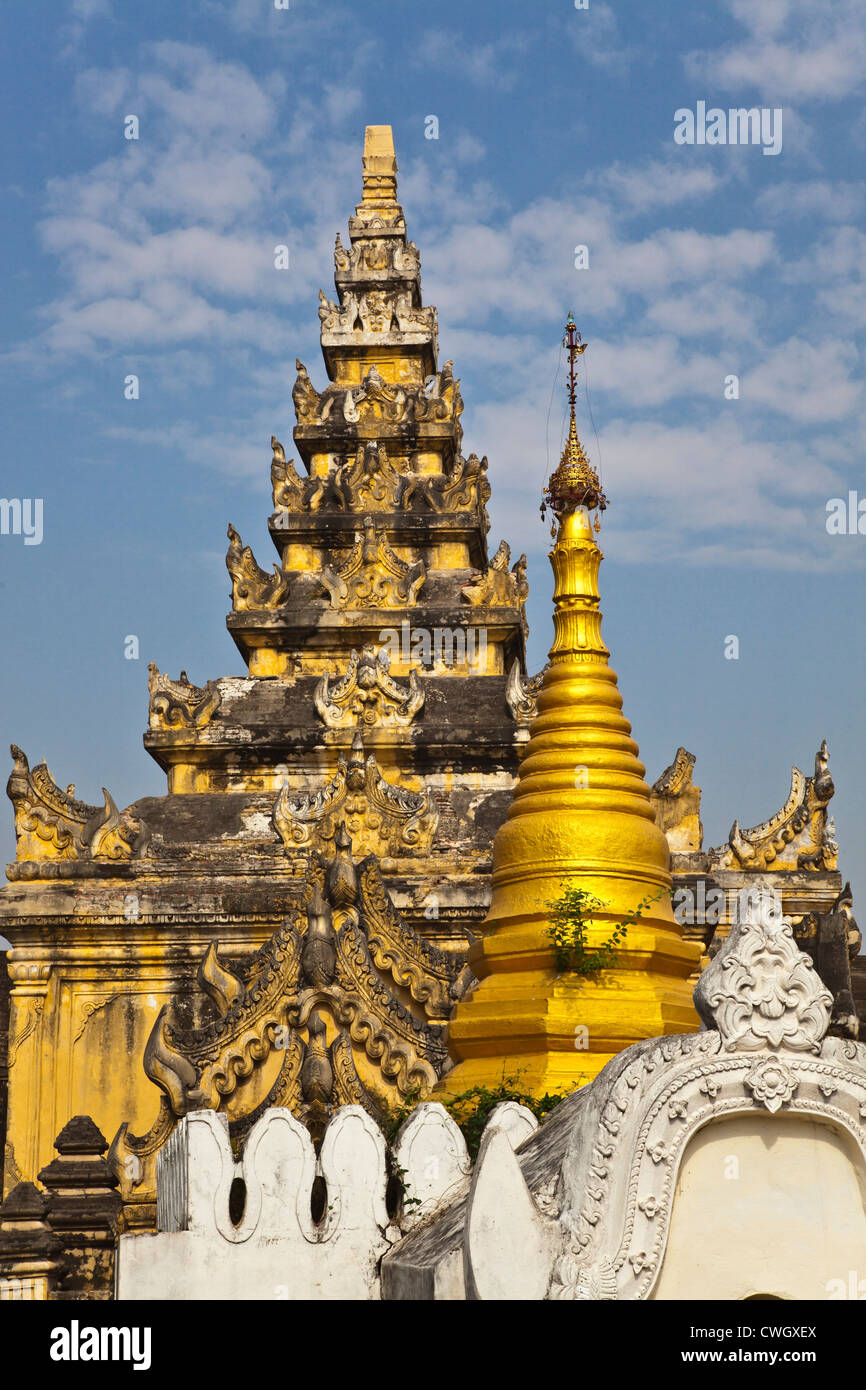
334,966
844,906
287,486
179,704
467,486
678,776
53,824
440,399
437,400
342,257
373,576
383,819
376,255
498,586
367,694
521,693
252,587
595,1284
464,489
772,1084
761,992
305,397
370,480
375,311
799,836
375,399
676,803
367,221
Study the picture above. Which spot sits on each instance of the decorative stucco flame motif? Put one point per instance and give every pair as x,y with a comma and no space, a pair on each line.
761,991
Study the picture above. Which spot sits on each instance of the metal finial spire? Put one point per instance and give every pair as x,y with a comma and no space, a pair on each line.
576,348
575,482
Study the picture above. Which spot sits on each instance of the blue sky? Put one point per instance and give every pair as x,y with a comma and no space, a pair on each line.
155,257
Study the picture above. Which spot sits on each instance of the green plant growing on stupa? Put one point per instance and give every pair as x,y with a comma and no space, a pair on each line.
571,914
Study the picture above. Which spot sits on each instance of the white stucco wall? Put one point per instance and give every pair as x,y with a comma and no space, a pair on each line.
766,1204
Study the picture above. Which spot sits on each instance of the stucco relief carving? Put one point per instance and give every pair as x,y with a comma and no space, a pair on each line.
383,818
521,694
252,587
179,704
499,586
367,694
799,836
764,1049
52,824
375,311
376,255
761,992
327,989
373,576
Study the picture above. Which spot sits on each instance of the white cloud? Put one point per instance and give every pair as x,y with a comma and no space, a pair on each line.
835,265
594,34
163,314
167,250
805,380
239,452
525,263
495,64
840,254
795,50
467,149
71,35
192,91
650,371
660,183
822,199
153,239
703,494
726,311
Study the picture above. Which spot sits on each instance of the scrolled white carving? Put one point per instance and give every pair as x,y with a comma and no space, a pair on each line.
762,991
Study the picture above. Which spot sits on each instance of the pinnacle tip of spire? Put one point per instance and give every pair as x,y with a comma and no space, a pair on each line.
379,142
575,482
380,168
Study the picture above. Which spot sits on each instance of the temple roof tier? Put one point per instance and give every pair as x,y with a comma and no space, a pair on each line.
410,531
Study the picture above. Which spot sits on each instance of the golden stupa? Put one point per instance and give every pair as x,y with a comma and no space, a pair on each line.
581,817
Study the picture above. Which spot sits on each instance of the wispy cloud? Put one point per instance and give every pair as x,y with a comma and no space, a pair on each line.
496,64
166,248
793,50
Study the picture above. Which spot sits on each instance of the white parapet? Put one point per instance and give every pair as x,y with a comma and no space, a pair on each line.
275,1250
431,1158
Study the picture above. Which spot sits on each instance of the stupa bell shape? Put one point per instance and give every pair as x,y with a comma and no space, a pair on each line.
581,817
